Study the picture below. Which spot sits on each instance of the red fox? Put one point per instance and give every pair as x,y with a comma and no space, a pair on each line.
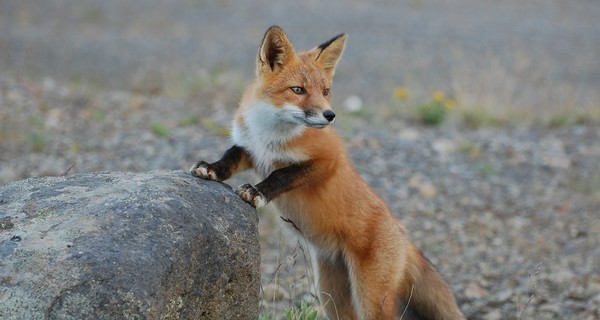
366,263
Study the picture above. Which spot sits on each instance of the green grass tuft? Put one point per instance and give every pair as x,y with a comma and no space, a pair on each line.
432,113
160,130
477,117
189,121
36,140
488,169
304,312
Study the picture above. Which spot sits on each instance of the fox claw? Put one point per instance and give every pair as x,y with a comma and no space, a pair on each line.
252,196
203,170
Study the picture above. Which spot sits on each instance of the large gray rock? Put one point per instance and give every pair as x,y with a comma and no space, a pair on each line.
156,245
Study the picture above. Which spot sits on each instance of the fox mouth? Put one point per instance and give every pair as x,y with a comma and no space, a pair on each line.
313,121
312,118
318,125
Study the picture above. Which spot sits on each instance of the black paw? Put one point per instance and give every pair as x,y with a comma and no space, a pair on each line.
249,194
204,170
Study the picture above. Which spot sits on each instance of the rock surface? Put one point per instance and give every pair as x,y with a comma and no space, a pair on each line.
156,245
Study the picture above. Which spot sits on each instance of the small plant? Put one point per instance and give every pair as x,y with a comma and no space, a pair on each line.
160,130
471,149
586,183
435,112
36,140
478,117
189,121
99,116
432,113
560,120
401,93
488,169
304,312
93,15
531,293
216,129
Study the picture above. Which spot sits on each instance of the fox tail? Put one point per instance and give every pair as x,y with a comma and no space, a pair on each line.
427,295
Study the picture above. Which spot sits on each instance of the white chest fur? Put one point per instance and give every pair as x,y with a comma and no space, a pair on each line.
265,132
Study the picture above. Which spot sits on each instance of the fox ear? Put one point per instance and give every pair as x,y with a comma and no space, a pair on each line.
328,54
275,51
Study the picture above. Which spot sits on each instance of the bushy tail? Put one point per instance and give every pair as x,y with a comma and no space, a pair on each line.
427,295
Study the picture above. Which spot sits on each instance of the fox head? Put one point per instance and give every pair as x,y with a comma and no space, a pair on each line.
297,84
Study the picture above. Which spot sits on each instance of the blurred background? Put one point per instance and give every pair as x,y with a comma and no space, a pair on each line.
513,58
477,121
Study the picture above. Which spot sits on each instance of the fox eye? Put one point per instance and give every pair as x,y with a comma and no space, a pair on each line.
326,92
298,90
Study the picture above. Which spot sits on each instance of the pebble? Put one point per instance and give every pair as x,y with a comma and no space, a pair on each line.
409,134
579,293
443,147
493,315
474,291
563,276
353,104
503,296
425,188
550,307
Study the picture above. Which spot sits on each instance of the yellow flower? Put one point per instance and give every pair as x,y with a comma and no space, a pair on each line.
438,96
449,103
401,92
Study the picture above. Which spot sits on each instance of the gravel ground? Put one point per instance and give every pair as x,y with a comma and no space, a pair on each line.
510,215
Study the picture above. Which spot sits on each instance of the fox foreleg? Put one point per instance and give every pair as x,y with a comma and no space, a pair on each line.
278,182
233,160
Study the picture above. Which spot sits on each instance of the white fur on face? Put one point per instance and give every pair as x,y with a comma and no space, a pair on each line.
266,130
313,119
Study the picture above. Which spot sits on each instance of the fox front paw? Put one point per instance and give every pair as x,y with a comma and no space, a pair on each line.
249,194
203,170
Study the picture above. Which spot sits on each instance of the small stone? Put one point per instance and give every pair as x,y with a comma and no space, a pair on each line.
53,117
493,315
474,291
563,276
353,104
518,222
557,161
550,307
594,287
48,84
443,147
503,296
426,189
148,82
595,301
409,134
578,294
6,223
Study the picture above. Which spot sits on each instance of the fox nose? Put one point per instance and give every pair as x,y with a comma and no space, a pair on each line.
329,115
